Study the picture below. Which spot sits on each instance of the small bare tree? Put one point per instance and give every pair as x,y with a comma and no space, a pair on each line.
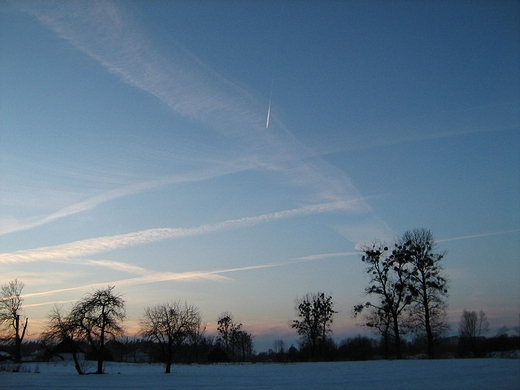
10,312
61,328
170,324
98,317
473,325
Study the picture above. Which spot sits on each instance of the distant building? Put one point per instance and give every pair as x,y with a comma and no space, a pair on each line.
65,350
218,355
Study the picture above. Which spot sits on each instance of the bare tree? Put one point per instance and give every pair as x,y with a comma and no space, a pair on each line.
170,324
61,328
10,311
390,285
380,321
315,312
241,345
427,283
279,346
472,327
237,342
197,340
98,317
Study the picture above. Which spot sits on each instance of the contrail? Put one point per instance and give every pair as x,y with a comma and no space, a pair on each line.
97,245
479,235
268,115
215,275
270,98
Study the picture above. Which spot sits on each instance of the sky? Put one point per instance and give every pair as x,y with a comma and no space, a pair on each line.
237,154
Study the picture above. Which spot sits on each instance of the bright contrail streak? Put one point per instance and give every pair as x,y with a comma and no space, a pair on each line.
268,115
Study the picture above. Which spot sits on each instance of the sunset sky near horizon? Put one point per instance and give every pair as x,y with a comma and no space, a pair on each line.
135,152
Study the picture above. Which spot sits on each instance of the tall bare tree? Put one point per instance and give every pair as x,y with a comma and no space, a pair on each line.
315,312
428,285
390,285
97,318
170,324
10,312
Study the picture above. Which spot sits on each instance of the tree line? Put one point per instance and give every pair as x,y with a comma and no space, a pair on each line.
408,299
96,321
407,292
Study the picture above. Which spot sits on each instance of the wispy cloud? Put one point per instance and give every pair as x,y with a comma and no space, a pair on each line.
119,266
216,275
104,244
11,225
107,32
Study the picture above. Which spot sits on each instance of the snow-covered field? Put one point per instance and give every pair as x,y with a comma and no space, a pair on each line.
407,374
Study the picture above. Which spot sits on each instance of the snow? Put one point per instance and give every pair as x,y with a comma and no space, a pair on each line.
406,374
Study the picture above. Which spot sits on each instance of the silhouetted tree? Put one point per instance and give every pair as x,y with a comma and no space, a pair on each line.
170,324
98,317
225,326
390,284
197,342
315,312
10,311
235,341
427,284
61,328
471,329
473,324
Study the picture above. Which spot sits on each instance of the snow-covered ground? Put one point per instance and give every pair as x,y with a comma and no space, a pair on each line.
407,374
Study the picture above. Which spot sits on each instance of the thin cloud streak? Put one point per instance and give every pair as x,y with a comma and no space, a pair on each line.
104,244
479,235
156,277
92,202
48,303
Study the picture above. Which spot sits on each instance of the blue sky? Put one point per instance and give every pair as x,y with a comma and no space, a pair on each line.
134,151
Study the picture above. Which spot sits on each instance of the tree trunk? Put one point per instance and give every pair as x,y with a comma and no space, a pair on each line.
429,333
427,325
101,352
386,345
18,339
397,338
169,357
76,363
99,366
